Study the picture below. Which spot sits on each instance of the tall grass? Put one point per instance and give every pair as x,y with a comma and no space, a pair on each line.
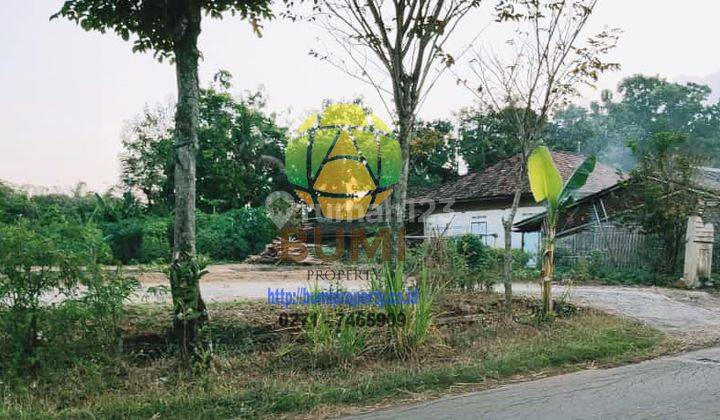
407,336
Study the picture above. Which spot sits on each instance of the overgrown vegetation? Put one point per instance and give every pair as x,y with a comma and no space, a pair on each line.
465,263
259,372
594,269
60,306
664,184
137,235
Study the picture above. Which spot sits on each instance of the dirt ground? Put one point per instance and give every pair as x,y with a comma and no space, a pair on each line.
230,282
693,317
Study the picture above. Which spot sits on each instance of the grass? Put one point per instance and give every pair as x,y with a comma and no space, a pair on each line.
250,376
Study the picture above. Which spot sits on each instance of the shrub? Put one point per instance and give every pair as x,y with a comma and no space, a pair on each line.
229,236
444,265
57,300
486,263
476,253
331,338
125,239
464,262
156,236
234,235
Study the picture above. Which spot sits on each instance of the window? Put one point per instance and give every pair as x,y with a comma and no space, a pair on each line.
478,226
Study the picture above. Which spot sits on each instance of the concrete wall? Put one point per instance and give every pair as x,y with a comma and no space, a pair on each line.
488,220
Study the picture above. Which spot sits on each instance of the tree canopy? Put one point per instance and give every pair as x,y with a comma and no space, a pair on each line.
647,106
239,144
154,24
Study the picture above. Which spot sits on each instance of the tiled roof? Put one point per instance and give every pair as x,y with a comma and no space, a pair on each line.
499,180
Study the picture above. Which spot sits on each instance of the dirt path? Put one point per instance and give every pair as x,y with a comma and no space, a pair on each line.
230,282
692,316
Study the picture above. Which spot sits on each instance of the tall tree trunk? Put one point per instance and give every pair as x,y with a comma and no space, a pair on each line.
189,309
507,263
405,132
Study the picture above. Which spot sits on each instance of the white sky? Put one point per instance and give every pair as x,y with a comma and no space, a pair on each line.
65,93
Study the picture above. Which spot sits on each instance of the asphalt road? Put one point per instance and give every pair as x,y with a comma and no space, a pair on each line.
678,387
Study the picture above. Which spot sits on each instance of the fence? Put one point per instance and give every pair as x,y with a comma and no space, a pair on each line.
609,245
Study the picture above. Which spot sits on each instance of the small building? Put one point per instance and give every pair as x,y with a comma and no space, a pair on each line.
590,226
477,202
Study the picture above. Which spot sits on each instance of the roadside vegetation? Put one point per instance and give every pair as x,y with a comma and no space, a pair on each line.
259,369
192,191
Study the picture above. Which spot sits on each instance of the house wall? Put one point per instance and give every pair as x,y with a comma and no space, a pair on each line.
485,220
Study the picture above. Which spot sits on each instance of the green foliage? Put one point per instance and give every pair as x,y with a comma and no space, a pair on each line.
229,236
663,183
488,138
463,263
482,263
407,337
593,268
648,105
444,265
139,239
58,302
155,25
238,163
547,184
433,154
630,276
156,234
234,235
330,338
475,252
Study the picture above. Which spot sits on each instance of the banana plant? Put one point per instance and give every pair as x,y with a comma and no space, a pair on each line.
547,186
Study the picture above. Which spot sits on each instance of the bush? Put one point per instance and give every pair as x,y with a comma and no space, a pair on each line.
229,236
234,235
156,236
486,263
630,276
477,255
464,262
445,266
125,239
57,300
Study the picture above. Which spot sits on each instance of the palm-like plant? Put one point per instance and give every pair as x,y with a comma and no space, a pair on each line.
546,185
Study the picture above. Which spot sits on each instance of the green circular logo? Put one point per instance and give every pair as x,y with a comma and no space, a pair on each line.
343,162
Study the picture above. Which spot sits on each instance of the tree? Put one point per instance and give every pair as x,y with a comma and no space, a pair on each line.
547,186
238,145
487,138
433,154
576,130
400,42
170,29
663,181
655,105
646,106
147,160
546,64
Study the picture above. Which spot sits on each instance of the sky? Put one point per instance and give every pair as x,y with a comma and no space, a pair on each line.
65,94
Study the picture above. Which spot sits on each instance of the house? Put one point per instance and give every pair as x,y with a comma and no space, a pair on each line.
478,202
590,227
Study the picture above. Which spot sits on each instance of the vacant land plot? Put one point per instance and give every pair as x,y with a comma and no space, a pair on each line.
260,368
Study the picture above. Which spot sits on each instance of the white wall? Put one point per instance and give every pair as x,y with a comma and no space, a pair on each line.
460,223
